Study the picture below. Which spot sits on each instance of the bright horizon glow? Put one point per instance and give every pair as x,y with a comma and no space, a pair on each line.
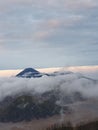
82,69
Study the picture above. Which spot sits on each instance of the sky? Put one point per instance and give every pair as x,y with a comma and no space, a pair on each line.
48,33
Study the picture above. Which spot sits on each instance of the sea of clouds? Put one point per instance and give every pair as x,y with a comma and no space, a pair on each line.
67,84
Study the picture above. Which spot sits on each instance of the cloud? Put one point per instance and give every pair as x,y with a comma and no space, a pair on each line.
16,32
11,2
81,4
63,22
42,35
67,85
54,4
69,4
51,24
27,26
50,27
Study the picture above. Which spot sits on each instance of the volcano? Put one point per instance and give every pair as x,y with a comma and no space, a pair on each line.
29,73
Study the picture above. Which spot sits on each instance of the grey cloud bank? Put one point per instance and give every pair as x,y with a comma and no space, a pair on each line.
63,32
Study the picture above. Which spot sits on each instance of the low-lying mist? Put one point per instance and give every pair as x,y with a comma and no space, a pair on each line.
67,85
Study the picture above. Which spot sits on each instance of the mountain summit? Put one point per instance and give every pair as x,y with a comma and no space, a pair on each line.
29,73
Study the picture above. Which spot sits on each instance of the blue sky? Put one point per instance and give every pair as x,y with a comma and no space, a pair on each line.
48,33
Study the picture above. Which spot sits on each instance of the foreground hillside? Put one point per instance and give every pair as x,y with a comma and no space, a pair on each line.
27,107
83,126
81,112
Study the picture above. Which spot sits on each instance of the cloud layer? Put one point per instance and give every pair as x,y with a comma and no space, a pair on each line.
67,85
65,29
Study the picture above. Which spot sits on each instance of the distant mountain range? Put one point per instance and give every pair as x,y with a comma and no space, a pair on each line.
32,73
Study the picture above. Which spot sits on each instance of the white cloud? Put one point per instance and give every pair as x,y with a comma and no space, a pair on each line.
67,85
